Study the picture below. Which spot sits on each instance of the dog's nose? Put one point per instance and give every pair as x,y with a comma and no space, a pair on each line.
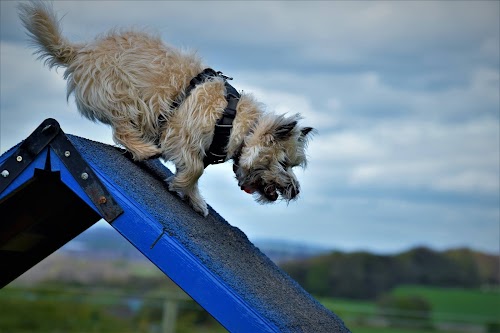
270,193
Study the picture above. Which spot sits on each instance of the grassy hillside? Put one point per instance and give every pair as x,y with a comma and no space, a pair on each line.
472,306
452,310
71,309
128,291
364,275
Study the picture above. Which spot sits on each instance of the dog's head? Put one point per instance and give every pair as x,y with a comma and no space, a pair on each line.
268,155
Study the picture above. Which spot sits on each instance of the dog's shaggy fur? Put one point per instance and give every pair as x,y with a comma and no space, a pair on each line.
129,81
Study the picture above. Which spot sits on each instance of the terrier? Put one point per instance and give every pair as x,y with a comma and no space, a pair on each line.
163,102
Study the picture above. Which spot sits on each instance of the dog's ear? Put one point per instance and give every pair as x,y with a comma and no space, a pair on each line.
306,130
284,131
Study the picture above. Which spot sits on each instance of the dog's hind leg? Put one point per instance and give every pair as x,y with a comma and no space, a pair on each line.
132,139
185,181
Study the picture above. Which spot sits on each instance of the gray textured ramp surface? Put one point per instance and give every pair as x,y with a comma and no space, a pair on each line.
222,248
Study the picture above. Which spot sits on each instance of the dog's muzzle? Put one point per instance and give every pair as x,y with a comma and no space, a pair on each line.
272,191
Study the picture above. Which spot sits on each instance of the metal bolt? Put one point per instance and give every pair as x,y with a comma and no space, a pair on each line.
67,153
84,176
102,200
19,158
5,173
46,128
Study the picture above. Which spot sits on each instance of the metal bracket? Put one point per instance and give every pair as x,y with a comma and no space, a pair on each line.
50,134
27,151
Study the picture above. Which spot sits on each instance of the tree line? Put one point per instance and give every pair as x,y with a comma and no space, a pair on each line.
364,275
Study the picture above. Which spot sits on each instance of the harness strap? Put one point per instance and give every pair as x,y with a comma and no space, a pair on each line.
217,152
200,78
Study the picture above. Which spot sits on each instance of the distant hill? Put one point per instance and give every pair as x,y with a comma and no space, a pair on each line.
281,251
366,276
102,255
103,242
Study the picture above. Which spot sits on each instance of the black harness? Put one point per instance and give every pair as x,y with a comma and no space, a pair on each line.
217,152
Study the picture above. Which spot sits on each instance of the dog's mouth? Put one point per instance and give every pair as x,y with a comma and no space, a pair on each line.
248,189
266,192
270,192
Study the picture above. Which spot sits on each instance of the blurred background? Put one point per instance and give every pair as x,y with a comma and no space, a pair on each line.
397,228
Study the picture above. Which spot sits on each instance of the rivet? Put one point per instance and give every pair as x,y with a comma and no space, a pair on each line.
67,153
46,127
84,176
102,200
19,158
5,173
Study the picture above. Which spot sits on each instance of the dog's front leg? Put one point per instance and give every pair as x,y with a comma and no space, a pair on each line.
185,182
127,135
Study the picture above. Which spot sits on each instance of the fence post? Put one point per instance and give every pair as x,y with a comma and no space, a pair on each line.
169,315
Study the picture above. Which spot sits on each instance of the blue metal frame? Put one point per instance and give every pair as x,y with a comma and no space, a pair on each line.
27,174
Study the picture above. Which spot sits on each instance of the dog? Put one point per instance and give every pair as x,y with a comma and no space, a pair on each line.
144,89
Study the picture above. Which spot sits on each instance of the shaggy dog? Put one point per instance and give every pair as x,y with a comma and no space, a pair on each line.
144,90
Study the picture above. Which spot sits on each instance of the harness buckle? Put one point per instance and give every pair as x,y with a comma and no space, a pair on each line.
225,77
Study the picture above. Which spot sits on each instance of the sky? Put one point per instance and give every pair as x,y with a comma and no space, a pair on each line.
405,97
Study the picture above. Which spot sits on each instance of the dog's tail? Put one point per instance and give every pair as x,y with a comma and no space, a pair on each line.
43,29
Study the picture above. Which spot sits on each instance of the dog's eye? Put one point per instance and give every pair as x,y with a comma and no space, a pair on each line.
284,164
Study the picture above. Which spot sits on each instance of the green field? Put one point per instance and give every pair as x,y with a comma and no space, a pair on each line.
364,329
449,306
77,310
467,305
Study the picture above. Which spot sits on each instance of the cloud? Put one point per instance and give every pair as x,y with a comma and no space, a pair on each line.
365,35
27,77
409,154
31,93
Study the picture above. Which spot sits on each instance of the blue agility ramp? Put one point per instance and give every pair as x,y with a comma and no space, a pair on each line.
54,186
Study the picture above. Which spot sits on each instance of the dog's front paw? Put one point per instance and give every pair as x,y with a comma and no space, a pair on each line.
193,197
198,206
171,184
